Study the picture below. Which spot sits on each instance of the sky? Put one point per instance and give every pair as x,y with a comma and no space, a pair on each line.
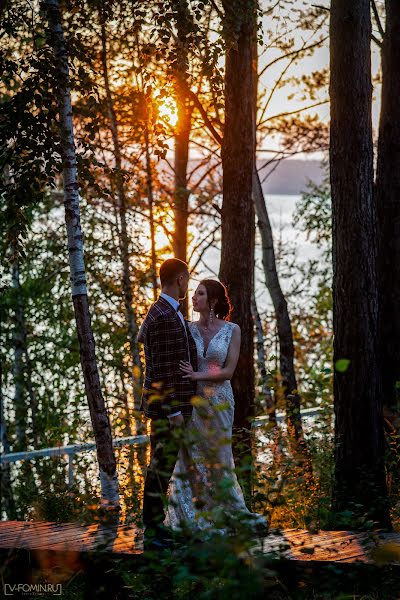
319,60
280,23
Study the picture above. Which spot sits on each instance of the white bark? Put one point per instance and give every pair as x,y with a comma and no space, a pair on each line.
98,412
286,348
266,392
70,171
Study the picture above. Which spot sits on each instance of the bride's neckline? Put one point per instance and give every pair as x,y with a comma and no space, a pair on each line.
205,350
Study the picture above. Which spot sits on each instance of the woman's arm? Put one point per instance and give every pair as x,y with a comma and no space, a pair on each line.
217,373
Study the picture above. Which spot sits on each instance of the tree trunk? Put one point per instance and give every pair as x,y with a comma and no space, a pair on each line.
387,194
181,193
182,135
18,364
8,503
360,484
21,385
124,242
150,198
98,412
33,404
284,326
22,371
238,221
266,393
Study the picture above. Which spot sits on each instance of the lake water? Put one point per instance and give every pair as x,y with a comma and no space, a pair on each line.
281,209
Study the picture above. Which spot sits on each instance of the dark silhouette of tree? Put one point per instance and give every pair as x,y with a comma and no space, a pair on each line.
360,483
238,220
387,195
283,322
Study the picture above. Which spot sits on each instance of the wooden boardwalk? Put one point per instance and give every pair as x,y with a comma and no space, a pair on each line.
127,540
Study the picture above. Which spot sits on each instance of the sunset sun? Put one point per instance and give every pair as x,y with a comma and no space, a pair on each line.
167,110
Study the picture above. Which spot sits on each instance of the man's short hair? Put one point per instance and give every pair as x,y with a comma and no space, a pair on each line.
171,269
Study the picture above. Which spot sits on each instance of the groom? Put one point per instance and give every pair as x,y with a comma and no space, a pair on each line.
166,397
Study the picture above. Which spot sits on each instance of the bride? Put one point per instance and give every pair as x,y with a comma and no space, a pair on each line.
204,490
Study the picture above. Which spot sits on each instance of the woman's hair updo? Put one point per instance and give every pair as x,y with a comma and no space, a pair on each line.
217,291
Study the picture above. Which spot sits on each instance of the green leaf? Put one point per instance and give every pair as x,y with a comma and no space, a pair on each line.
342,365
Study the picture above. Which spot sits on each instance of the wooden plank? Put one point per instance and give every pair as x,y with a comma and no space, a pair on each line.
69,537
328,546
324,538
17,534
23,535
323,546
294,545
21,526
83,538
332,556
33,536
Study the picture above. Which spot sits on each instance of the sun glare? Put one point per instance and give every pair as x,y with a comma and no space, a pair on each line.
161,239
168,111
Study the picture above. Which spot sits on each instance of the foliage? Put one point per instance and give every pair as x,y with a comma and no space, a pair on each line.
143,59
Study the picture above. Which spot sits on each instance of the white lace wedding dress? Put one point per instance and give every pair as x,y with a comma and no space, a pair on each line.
204,491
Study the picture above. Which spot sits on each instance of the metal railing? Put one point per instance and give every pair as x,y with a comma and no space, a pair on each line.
70,451
73,449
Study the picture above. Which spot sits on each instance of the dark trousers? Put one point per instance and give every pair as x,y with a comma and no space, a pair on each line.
165,443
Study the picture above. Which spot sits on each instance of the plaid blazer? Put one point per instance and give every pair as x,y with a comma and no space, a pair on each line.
165,344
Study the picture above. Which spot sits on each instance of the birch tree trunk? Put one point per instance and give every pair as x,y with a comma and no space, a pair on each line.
360,483
123,238
284,327
287,371
387,195
266,393
98,411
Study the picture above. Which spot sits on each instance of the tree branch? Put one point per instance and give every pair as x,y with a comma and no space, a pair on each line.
293,112
292,53
203,241
204,176
377,18
215,7
377,41
209,245
216,135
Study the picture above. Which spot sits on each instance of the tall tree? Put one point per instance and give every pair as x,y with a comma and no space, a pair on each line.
283,323
150,199
184,26
98,411
266,393
360,483
5,470
122,210
180,65
387,195
238,158
18,364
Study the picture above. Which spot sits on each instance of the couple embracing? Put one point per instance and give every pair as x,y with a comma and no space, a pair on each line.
188,397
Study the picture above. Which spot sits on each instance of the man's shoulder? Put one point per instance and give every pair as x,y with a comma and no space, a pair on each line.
160,311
